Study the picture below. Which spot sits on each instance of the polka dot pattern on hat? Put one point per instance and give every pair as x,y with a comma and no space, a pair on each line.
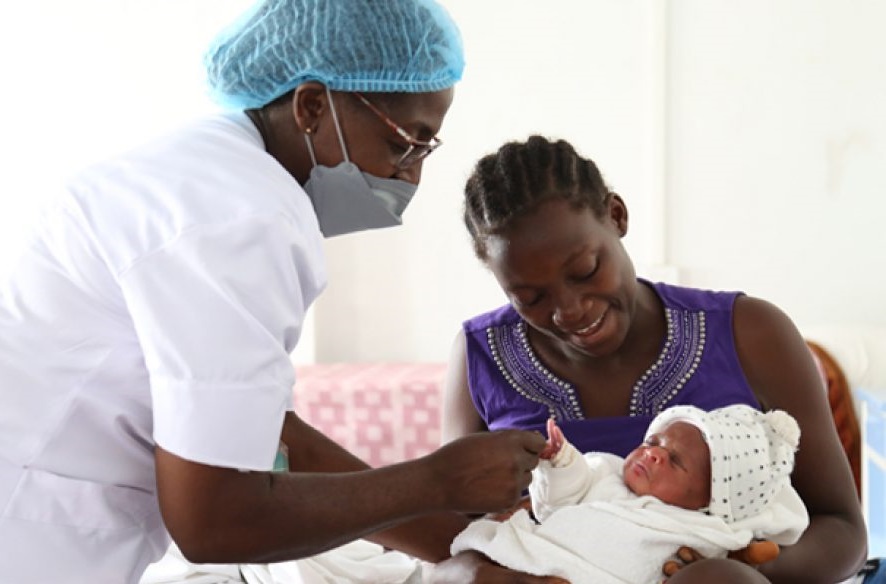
752,454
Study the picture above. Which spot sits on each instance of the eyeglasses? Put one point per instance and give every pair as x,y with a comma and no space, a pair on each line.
417,150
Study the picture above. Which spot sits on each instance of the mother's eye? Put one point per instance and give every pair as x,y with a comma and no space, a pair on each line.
526,300
588,274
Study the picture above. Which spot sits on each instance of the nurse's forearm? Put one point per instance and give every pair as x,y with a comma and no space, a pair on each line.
427,537
312,451
223,515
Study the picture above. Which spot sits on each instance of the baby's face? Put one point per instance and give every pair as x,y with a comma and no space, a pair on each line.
673,465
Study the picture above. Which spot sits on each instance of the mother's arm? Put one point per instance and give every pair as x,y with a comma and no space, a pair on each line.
780,369
460,417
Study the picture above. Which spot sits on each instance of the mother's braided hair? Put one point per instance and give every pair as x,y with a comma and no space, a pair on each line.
520,175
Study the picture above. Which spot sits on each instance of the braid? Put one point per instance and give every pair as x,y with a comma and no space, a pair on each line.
513,181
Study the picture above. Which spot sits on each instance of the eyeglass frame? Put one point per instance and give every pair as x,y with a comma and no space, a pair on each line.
417,151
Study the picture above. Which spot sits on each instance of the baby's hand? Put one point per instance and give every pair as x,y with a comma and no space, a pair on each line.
555,441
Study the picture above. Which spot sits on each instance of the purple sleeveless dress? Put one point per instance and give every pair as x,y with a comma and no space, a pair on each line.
697,365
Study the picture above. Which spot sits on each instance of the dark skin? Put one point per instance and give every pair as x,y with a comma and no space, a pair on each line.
330,497
562,268
371,144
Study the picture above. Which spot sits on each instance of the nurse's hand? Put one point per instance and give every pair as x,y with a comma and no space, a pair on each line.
485,472
474,568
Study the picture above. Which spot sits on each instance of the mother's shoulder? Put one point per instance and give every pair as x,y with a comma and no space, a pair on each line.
693,299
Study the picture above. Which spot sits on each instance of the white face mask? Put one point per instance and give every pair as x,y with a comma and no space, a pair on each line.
348,200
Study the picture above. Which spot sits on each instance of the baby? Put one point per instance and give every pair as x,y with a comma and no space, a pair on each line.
713,481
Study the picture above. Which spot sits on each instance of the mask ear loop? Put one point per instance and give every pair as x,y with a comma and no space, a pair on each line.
341,139
310,143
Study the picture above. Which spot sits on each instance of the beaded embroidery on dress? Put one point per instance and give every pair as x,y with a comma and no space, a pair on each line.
677,362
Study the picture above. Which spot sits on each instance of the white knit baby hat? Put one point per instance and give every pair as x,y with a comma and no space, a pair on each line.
752,454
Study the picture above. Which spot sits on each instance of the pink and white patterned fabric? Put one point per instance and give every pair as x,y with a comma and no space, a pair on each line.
382,412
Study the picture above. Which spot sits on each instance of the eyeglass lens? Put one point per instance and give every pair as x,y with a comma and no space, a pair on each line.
417,150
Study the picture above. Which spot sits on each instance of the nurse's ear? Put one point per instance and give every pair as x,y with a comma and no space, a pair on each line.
308,105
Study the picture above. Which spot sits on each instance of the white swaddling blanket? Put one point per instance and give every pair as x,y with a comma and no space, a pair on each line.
613,536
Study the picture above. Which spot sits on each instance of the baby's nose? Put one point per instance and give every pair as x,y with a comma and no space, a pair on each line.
656,454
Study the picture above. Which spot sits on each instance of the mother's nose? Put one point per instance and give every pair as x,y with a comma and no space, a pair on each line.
568,311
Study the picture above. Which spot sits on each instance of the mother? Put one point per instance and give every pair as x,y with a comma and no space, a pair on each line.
586,341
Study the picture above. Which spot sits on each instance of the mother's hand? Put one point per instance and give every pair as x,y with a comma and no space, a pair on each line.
474,568
756,553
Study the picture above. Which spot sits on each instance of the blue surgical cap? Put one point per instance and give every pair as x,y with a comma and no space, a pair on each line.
408,46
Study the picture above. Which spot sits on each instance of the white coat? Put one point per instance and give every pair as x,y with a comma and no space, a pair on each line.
156,303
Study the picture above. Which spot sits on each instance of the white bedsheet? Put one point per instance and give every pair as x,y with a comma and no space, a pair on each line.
359,562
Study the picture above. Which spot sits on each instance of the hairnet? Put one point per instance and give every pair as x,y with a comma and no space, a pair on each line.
348,45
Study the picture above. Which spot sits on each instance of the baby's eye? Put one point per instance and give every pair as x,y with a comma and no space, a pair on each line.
677,461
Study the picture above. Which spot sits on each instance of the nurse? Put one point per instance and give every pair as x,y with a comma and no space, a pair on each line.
145,331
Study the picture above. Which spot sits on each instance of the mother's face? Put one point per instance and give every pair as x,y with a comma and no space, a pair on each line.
568,275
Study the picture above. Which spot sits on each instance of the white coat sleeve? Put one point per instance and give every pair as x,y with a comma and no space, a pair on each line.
216,312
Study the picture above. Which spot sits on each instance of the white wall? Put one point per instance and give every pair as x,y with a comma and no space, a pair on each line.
585,71
777,153
81,80
747,139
